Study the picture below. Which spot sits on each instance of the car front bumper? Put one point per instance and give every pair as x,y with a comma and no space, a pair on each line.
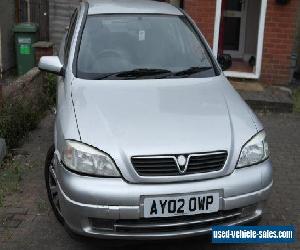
112,208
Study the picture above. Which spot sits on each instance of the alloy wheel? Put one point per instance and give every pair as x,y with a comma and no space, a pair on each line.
53,187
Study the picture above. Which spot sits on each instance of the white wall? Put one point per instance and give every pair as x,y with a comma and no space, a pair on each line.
252,25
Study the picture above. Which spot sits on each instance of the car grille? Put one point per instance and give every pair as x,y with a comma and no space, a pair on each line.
168,165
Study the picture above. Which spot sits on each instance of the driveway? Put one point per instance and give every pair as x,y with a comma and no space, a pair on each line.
26,221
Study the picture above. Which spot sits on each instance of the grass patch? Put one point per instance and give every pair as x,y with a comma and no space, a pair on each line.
10,177
297,100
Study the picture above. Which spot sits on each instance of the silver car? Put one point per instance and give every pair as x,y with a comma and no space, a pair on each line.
151,140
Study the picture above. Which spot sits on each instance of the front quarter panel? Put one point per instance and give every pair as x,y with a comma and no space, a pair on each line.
244,123
65,124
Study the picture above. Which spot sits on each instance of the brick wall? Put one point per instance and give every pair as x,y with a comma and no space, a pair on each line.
203,12
279,40
279,37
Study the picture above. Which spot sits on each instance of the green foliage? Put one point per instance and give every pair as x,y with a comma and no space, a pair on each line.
16,120
50,88
20,115
297,100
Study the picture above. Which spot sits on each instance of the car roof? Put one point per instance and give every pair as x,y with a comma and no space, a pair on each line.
131,7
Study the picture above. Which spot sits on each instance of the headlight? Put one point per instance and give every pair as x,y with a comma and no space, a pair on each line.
85,159
254,151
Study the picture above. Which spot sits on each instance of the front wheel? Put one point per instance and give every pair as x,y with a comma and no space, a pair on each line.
52,190
51,185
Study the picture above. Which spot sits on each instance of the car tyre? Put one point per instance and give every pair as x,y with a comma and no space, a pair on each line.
51,185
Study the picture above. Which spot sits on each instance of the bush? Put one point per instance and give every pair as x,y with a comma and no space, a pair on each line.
50,88
20,115
16,120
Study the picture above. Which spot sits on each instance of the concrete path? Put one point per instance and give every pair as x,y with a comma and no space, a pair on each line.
27,222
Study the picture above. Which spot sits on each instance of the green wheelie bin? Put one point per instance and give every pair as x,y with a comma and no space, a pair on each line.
25,36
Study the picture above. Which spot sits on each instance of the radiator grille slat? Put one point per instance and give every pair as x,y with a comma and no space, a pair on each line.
158,165
167,165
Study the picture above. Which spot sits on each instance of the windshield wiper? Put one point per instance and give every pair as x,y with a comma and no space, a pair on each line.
134,73
104,76
192,70
158,73
143,72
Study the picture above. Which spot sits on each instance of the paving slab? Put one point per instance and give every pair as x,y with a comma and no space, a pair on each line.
265,98
272,99
245,85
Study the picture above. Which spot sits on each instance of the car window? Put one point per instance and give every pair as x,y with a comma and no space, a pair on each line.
120,43
69,36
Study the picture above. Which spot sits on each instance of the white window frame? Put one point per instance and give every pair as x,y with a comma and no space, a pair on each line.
243,17
260,41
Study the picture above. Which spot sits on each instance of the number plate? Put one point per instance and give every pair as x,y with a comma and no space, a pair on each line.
170,206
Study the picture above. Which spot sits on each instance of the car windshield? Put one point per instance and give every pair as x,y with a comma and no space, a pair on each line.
141,46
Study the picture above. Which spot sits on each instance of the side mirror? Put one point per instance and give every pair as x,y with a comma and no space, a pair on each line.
51,64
